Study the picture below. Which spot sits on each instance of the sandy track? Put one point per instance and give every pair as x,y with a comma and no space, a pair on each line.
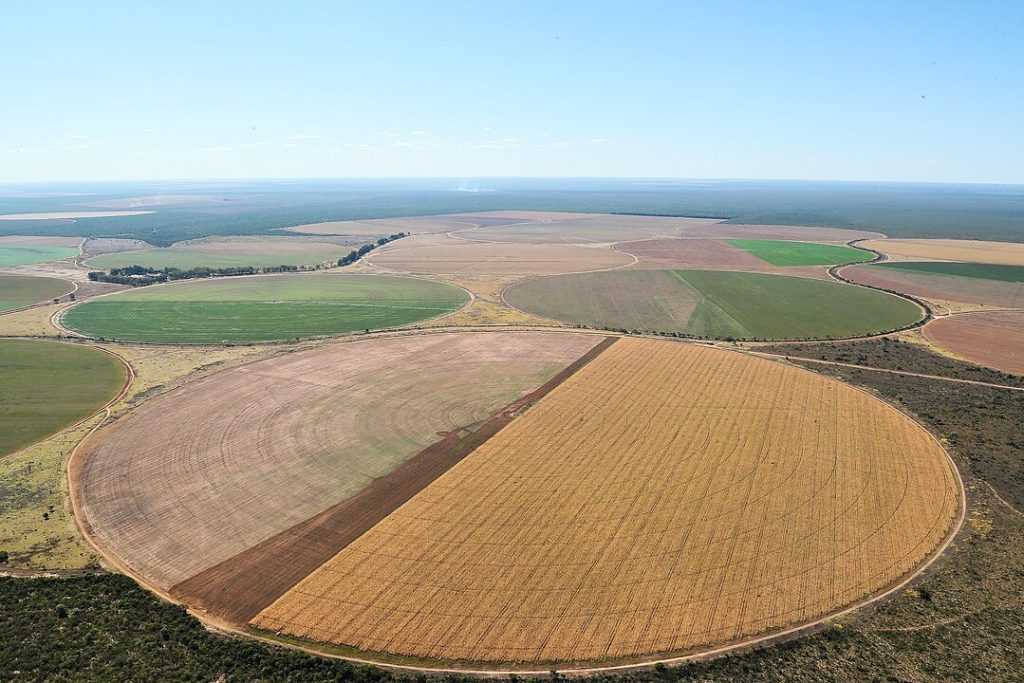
644,507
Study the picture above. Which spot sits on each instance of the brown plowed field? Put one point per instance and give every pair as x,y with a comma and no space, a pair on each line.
238,588
202,473
972,251
940,287
435,254
707,254
992,338
664,498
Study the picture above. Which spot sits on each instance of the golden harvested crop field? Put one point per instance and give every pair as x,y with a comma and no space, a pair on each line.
644,506
439,254
971,251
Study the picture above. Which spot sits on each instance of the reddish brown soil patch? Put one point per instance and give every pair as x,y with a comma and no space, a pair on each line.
993,338
240,587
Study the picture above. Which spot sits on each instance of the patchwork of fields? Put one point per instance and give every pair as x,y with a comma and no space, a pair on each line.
263,308
523,496
991,285
643,507
713,304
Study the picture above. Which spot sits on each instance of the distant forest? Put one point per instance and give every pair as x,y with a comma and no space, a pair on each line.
990,212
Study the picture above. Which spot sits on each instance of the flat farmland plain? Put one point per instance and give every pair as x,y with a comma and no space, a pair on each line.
938,283
713,304
21,290
643,507
973,251
196,476
229,252
991,338
49,385
438,254
263,308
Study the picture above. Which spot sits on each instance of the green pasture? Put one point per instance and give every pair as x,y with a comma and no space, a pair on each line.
24,255
717,304
23,290
263,308
49,385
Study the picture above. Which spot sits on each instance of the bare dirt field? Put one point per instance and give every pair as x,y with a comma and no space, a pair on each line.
972,251
441,255
707,253
644,506
204,472
991,338
941,288
67,215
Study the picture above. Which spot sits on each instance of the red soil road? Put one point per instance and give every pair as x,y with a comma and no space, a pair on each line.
197,475
239,588
940,287
991,338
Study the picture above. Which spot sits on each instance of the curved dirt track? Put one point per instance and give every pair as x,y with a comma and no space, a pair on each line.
679,516
204,472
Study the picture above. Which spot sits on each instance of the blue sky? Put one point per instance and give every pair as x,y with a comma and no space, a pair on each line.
929,91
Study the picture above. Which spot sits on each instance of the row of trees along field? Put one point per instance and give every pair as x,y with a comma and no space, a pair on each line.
362,251
140,276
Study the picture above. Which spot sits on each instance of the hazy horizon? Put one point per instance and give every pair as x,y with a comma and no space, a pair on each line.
895,92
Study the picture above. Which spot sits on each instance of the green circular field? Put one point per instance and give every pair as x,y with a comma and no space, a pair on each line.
49,385
24,290
715,304
263,308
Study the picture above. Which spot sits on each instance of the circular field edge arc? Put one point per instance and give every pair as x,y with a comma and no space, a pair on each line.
570,669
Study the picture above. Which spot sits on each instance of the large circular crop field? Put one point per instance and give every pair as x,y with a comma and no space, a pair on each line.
717,304
263,308
48,385
517,498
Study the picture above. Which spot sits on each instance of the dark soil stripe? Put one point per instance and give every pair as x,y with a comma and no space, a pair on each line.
238,588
